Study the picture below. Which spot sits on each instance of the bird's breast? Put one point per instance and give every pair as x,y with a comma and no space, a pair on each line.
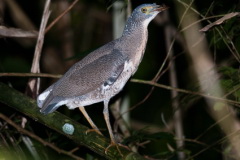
135,47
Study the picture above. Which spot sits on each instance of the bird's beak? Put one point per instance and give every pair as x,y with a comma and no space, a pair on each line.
159,8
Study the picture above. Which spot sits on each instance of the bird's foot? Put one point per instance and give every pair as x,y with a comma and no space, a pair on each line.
113,143
93,130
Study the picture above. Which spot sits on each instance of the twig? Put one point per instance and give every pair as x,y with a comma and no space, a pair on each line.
219,121
235,133
200,143
60,16
175,37
220,21
189,6
33,84
177,116
202,62
43,75
198,21
74,150
16,32
4,124
227,39
155,79
185,91
157,76
140,102
220,32
119,120
213,125
26,132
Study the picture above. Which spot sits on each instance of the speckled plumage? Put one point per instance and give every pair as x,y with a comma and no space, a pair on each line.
104,72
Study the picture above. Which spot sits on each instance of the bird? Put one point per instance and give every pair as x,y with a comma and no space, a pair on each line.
102,73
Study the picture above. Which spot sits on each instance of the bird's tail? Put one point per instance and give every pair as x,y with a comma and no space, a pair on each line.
48,103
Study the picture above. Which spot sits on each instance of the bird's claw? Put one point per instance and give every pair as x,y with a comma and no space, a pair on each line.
112,144
93,130
117,146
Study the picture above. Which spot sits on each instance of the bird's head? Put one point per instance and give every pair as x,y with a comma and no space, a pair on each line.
146,12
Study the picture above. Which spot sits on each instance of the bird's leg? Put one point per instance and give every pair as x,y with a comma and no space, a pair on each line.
82,109
106,117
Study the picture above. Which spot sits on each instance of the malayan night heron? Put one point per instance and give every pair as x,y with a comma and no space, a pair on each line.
104,72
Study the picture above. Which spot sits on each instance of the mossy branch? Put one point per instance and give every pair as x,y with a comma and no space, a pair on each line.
56,120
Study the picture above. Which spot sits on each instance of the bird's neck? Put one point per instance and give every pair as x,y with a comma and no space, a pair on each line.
134,28
134,39
134,36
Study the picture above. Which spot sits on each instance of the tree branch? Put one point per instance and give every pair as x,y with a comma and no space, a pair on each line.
42,75
26,132
236,103
56,121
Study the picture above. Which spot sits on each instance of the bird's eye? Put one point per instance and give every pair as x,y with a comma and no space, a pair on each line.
144,10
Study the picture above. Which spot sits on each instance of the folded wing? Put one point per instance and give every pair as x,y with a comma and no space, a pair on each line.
77,82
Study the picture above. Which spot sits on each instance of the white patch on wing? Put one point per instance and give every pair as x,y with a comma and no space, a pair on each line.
127,72
41,98
44,95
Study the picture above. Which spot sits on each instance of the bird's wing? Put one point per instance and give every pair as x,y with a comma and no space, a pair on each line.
79,81
103,71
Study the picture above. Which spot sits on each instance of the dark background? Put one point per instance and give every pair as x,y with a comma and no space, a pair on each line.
88,26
